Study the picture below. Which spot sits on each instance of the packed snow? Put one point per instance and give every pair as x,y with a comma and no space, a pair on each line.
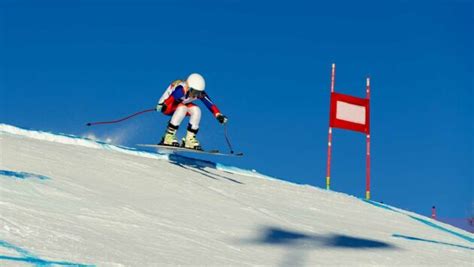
70,201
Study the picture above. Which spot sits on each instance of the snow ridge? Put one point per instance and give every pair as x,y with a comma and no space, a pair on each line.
91,143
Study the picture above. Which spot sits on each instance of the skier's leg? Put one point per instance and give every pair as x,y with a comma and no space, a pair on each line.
178,115
195,113
193,127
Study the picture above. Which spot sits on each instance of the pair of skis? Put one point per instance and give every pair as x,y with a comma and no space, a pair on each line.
175,149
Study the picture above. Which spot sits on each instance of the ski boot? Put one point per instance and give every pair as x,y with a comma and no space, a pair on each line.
170,139
190,140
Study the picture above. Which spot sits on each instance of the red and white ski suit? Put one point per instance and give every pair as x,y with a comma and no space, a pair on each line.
178,104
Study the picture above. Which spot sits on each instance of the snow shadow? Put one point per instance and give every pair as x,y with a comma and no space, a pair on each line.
27,257
284,237
199,166
298,245
22,175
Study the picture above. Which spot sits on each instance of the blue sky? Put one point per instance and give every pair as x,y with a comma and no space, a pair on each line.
267,65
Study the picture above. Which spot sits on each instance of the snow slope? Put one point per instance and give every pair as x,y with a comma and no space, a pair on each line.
67,201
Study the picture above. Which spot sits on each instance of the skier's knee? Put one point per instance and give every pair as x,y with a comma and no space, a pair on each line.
194,110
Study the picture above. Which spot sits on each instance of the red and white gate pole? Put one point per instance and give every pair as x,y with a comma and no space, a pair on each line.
328,172
367,186
433,213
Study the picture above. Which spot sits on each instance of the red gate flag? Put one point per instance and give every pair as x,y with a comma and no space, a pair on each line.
350,113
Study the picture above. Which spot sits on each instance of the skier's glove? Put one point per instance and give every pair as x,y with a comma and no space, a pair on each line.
160,107
221,118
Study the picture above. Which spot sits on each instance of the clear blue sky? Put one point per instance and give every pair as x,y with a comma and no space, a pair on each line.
267,64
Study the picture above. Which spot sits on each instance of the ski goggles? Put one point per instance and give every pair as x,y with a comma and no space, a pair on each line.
195,93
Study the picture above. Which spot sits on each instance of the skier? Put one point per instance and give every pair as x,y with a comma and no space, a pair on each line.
177,103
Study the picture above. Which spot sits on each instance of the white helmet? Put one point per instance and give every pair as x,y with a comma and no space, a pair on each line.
196,82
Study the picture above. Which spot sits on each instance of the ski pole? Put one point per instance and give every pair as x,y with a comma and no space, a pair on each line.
227,139
119,120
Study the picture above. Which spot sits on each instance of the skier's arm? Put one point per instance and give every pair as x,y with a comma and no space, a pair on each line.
213,108
209,104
